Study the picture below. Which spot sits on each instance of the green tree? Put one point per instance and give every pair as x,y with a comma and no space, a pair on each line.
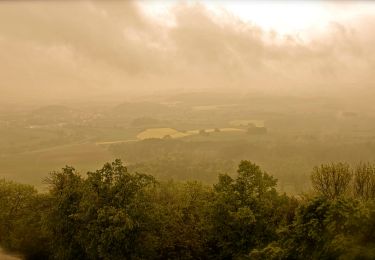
182,210
330,229
244,214
22,217
66,190
116,214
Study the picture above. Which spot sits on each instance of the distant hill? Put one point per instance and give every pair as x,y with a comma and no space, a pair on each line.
53,114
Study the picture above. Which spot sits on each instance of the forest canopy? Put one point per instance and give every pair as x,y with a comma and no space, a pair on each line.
112,213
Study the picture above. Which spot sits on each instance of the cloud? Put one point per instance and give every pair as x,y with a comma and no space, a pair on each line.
95,48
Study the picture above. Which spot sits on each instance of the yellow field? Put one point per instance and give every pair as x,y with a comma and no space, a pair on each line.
160,133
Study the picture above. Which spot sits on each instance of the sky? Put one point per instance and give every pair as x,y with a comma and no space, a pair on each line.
304,18
101,49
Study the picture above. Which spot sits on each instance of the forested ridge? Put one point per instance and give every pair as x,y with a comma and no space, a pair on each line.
112,213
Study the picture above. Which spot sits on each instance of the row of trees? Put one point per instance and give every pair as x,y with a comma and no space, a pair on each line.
335,180
114,214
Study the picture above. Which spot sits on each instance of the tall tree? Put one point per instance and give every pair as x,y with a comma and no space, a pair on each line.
244,214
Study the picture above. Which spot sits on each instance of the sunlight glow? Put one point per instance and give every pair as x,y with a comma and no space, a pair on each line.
301,18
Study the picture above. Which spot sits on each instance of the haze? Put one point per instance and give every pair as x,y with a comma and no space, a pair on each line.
187,129
95,50
85,82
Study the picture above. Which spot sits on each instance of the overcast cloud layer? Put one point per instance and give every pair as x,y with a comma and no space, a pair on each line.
86,49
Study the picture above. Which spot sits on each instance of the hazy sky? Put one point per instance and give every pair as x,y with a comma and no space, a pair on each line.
64,49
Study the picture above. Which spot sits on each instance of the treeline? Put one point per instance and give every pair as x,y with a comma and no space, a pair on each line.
114,214
288,159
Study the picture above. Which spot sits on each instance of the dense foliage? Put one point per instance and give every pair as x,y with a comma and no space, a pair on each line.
114,214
